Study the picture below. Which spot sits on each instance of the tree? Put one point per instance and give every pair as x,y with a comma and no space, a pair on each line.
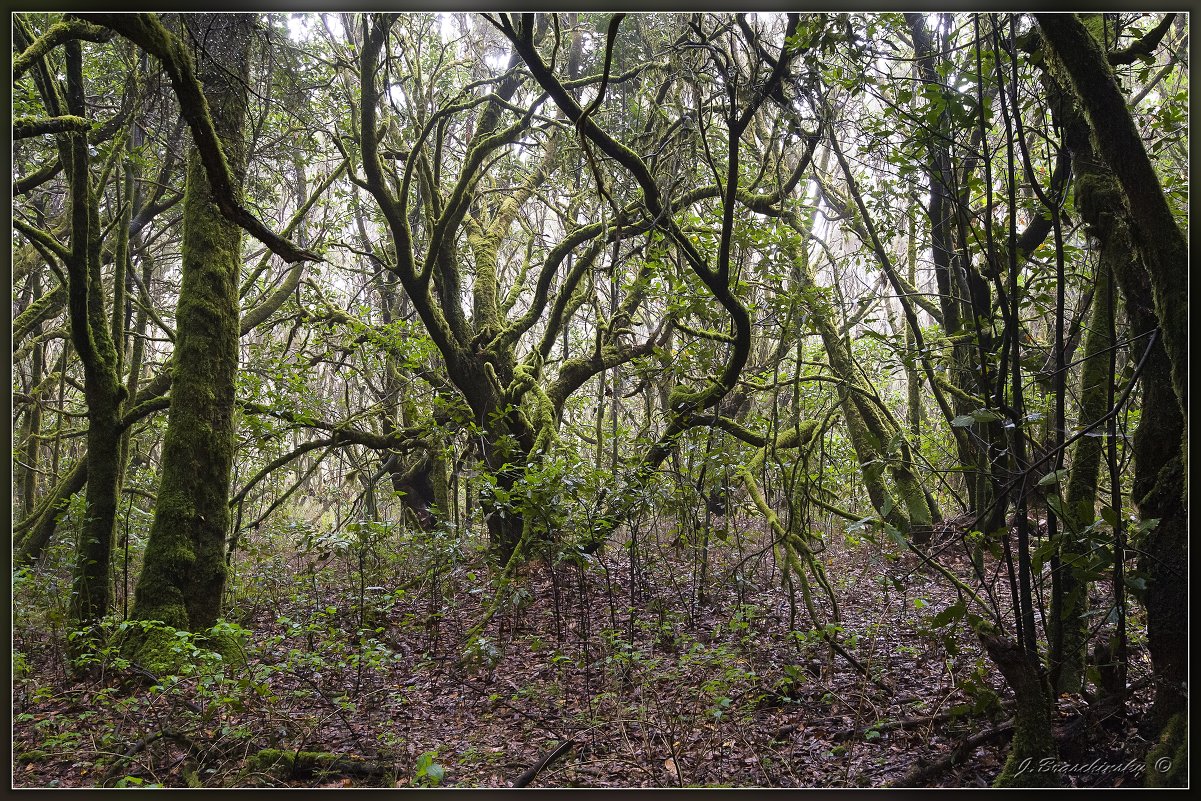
93,334
183,577
1137,227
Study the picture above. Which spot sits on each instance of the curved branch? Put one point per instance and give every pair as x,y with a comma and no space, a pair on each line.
39,311
32,181
55,35
148,33
575,372
342,433
1145,46
277,463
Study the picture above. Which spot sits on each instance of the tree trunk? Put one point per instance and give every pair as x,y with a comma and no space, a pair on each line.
1069,601
91,592
184,574
31,451
1033,740
908,509
1158,487
1121,145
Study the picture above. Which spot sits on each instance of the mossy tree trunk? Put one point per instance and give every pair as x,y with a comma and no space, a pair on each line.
434,284
1120,144
27,461
1032,739
91,593
1068,628
1158,487
915,412
941,177
880,444
184,574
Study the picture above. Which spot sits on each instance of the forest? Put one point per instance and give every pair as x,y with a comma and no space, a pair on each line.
599,399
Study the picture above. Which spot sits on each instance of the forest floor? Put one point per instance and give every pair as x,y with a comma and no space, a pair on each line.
370,660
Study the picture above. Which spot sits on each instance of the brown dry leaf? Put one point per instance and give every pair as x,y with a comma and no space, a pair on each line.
670,764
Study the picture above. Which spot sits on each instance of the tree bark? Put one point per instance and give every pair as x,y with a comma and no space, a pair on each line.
1068,629
91,593
1121,145
1033,740
1158,488
184,574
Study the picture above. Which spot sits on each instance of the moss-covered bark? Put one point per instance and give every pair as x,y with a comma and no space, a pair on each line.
30,453
1167,761
58,33
91,592
1069,601
958,316
1158,487
1120,144
43,308
914,411
184,573
1164,549
1033,740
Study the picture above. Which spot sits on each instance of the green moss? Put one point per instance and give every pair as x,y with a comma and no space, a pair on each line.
159,594
1068,626
32,756
682,399
1167,762
191,778
921,516
229,641
801,434
157,649
275,761
184,574
1032,743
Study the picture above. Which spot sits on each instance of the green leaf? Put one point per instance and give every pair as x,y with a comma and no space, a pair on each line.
951,613
963,421
986,416
1054,504
1054,477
